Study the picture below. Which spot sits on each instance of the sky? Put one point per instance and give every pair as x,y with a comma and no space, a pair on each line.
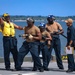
38,7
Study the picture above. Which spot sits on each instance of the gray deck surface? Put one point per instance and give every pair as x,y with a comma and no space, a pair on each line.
27,67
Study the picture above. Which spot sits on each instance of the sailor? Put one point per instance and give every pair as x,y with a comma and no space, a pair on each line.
30,45
70,43
9,39
55,29
44,43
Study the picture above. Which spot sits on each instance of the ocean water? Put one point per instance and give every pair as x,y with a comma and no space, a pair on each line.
20,40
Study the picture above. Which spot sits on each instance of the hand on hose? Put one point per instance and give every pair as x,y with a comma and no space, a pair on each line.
68,47
43,37
30,37
24,36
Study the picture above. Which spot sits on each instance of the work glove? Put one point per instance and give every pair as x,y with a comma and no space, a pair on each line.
30,37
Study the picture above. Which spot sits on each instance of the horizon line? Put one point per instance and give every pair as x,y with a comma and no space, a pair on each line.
39,15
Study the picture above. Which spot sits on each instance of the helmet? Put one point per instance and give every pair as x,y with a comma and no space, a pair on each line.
30,20
42,25
51,17
5,15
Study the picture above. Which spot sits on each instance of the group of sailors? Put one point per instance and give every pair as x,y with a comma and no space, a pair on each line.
43,38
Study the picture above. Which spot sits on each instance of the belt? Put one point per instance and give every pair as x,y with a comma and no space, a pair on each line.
8,35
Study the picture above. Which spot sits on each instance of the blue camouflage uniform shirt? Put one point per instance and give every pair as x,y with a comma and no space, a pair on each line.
70,34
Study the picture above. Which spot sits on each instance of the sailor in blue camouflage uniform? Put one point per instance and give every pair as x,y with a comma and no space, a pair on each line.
70,43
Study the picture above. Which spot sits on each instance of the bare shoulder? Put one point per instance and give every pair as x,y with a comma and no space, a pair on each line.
59,26
47,32
36,28
47,24
57,23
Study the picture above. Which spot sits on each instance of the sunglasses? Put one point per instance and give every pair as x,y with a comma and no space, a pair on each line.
7,17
